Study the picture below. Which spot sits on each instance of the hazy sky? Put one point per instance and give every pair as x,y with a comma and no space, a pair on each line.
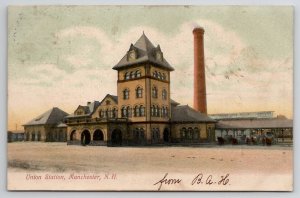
62,56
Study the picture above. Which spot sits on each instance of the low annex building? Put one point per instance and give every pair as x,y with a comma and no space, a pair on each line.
142,113
48,127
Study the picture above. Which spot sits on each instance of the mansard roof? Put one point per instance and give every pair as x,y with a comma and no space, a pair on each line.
145,53
52,116
184,113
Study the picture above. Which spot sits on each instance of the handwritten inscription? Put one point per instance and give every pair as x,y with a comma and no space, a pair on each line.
167,181
199,179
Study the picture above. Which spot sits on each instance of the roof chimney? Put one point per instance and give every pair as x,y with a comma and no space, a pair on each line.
199,71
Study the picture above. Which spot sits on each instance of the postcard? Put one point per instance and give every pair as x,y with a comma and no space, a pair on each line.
150,98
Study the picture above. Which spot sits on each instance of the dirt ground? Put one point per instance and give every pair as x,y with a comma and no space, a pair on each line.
249,167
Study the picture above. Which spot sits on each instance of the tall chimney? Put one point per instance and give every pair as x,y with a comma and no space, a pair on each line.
199,71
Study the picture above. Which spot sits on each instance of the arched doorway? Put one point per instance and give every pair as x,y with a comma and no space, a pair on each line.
73,135
98,135
85,137
166,135
116,137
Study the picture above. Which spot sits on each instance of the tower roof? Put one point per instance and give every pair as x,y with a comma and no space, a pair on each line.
146,52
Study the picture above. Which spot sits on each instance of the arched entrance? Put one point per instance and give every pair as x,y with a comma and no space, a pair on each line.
98,135
116,137
166,135
85,137
73,135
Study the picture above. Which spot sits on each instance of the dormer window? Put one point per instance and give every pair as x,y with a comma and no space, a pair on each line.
132,55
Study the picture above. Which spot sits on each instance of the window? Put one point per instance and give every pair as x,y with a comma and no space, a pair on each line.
139,92
101,114
155,74
183,133
128,111
126,94
164,111
142,111
107,113
152,111
136,111
164,76
138,73
127,75
164,94
159,75
114,113
124,112
132,74
154,92
196,133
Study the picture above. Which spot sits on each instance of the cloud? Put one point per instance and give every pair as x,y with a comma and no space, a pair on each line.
238,78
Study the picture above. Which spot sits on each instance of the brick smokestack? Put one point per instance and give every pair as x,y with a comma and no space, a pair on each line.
199,71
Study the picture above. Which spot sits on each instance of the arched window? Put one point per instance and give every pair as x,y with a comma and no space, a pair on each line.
166,112
107,113
127,76
114,113
190,133
157,111
159,75
164,76
136,111
152,111
126,94
155,74
196,133
183,133
164,94
142,110
132,74
139,92
138,73
101,113
163,111
124,112
154,92
128,110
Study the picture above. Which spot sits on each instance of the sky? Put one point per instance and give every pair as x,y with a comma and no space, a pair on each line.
62,56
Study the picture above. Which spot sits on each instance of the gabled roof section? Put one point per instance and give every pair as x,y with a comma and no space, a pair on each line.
52,116
88,109
184,113
145,53
114,98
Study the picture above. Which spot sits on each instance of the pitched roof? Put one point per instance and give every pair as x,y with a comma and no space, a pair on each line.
115,98
184,113
173,102
254,123
145,53
88,109
52,116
